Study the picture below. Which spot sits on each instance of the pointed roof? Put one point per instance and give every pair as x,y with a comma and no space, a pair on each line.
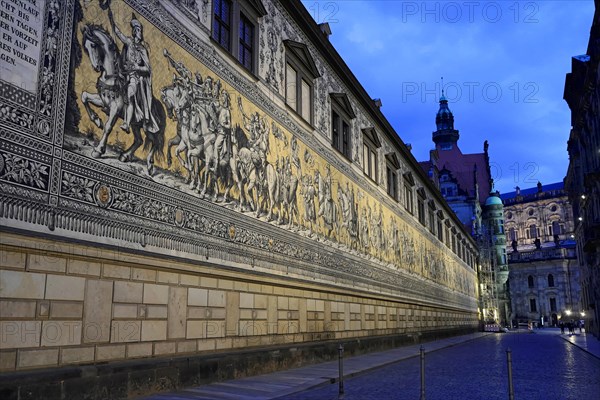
444,120
302,54
342,100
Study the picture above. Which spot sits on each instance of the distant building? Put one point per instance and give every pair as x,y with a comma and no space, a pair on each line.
493,266
582,94
465,181
543,271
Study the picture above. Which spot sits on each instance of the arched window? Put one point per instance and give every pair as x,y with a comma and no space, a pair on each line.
556,228
550,280
532,231
512,234
530,281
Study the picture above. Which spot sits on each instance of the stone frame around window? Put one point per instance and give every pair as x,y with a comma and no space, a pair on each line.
249,12
409,183
299,92
341,126
392,165
371,145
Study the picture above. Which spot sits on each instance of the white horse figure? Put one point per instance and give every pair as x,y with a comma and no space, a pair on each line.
112,86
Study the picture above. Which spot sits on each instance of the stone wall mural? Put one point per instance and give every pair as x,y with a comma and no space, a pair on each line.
138,132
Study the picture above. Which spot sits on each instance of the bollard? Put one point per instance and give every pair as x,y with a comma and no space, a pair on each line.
341,370
511,392
422,373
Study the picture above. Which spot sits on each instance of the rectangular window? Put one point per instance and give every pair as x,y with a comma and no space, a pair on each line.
552,304
421,210
234,24
532,305
305,95
345,139
431,221
246,35
222,23
408,197
369,161
300,74
440,231
291,96
335,129
392,177
340,134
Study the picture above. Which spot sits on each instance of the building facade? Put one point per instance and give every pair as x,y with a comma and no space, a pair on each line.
543,270
493,267
187,179
465,182
582,94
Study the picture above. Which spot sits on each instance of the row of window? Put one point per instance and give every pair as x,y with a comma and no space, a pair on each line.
234,29
531,211
533,231
530,281
533,305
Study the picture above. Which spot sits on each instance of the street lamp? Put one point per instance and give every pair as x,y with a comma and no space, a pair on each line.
568,312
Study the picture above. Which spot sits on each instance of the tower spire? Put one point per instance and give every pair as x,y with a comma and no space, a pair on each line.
445,136
442,78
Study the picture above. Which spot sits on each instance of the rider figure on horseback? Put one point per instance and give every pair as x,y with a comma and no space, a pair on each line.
259,137
223,128
136,68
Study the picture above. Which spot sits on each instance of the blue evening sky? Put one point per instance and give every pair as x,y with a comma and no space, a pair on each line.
503,63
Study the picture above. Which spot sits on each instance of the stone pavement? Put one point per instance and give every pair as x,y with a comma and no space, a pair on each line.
584,341
286,383
283,383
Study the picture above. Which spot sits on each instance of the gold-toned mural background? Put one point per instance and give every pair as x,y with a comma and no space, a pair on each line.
206,139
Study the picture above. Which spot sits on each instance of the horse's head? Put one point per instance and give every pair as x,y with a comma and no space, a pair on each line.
100,47
169,96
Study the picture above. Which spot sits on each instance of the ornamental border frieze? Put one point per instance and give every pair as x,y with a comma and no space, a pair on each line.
263,246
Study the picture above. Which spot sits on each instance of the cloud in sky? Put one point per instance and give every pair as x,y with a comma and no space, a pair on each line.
503,63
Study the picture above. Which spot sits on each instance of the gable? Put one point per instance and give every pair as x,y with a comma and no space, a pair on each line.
301,54
372,136
258,7
343,102
392,158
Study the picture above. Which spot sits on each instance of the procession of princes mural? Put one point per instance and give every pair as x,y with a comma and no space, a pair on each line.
152,104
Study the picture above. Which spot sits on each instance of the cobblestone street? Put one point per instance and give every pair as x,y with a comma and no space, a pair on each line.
545,366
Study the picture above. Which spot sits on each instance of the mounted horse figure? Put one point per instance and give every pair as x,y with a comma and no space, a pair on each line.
124,90
328,210
349,219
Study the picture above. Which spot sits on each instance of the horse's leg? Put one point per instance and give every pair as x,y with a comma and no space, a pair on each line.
192,167
108,126
150,161
176,141
127,155
181,147
95,99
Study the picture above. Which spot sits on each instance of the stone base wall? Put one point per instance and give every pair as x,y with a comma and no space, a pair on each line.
64,304
129,379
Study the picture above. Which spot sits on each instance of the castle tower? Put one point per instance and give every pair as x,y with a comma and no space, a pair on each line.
445,137
493,220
